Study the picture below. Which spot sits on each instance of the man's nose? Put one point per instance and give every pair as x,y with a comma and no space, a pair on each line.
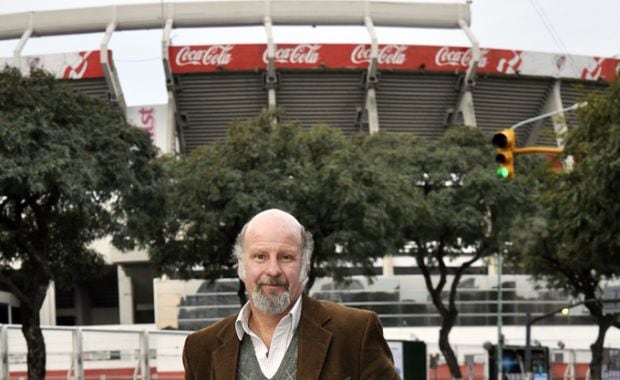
273,267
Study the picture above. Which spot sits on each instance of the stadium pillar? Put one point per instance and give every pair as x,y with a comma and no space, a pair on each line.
178,143
370,102
109,72
466,109
17,52
271,80
464,112
553,105
125,297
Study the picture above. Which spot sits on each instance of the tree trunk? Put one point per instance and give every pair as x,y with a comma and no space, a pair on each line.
597,352
35,290
446,349
31,328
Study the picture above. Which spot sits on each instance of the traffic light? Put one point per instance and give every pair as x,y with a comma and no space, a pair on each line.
504,142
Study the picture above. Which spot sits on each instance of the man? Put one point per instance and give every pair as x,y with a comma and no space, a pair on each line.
281,333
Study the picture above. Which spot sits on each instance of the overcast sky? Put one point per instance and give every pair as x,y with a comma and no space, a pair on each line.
556,26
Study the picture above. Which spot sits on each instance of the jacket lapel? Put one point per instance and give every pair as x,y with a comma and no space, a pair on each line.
314,340
226,357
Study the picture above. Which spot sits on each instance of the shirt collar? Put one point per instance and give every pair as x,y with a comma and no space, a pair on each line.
242,324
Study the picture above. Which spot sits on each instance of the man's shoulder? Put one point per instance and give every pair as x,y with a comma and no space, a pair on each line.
335,310
209,333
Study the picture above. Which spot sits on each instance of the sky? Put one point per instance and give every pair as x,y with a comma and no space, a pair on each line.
554,26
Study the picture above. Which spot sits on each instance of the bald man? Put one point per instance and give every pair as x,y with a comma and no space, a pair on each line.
281,333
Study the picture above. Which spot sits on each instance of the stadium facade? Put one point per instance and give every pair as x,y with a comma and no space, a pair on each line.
357,88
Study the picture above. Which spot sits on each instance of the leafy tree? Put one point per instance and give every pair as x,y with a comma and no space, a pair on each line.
71,171
461,211
572,239
317,174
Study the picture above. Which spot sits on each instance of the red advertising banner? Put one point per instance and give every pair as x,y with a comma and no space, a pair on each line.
213,58
85,64
77,65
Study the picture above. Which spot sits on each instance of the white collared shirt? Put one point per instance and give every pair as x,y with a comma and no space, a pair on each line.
270,359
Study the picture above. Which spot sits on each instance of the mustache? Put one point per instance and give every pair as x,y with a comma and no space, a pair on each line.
281,281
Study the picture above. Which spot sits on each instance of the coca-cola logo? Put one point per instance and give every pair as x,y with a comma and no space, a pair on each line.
216,55
447,56
77,70
388,54
299,54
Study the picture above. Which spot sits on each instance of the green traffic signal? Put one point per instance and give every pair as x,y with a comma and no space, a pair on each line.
505,142
502,172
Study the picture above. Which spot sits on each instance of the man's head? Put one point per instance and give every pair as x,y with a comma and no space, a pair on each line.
273,252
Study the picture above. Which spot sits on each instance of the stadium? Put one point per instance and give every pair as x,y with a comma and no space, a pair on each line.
130,323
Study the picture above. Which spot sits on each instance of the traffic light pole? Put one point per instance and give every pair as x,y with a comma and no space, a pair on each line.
505,142
536,149
543,149
546,115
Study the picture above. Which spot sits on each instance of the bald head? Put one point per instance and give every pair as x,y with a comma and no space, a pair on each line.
274,218
270,221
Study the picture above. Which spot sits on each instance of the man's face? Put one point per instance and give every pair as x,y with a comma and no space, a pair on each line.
272,262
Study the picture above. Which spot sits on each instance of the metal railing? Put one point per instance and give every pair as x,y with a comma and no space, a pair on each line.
96,353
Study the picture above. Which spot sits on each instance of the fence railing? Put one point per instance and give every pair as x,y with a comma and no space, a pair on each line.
96,353
117,353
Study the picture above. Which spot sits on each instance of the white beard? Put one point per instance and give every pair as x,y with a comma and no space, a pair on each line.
272,303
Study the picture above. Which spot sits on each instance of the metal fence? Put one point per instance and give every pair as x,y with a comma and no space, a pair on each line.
126,354
96,353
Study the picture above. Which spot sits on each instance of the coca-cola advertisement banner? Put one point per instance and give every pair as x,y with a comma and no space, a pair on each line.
213,58
78,65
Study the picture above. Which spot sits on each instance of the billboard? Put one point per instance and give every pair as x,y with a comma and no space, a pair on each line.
316,56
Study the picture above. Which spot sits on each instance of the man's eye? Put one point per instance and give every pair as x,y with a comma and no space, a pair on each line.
287,258
260,256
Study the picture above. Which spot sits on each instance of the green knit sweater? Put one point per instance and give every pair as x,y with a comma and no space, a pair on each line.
249,369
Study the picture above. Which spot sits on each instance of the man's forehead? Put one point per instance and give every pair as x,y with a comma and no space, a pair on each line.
275,223
274,218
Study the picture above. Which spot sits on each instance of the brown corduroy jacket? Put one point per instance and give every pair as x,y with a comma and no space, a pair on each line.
335,343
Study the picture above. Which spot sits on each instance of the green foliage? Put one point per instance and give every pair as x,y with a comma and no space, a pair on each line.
572,238
452,191
575,226
71,170
348,202
454,207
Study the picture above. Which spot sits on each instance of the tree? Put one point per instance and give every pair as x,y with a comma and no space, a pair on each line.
71,171
461,211
572,238
317,174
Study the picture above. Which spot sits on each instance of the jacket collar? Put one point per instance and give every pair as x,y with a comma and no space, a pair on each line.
314,342
226,356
